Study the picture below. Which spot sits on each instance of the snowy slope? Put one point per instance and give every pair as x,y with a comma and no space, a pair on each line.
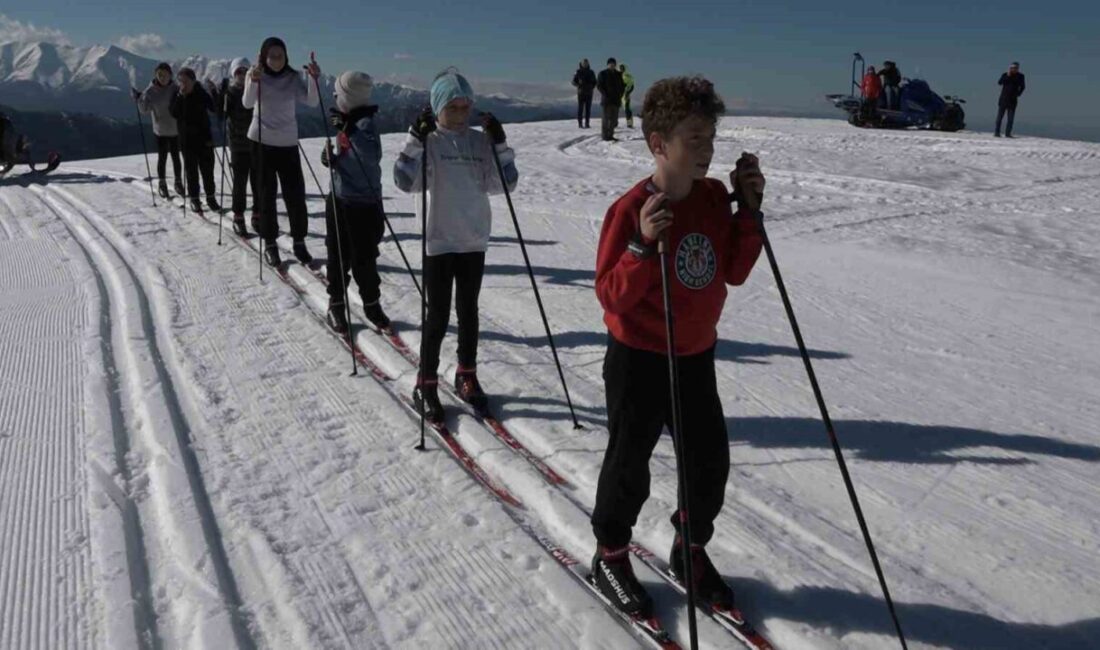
185,462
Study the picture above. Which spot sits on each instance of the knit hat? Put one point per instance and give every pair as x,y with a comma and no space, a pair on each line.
353,90
187,72
270,42
237,64
163,66
447,87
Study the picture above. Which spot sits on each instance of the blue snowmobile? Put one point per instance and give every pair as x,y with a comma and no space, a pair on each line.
920,106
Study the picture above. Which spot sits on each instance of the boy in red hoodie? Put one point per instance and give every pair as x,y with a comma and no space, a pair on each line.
709,246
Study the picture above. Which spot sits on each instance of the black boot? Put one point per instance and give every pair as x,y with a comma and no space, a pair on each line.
162,190
710,587
179,189
238,225
469,389
256,222
377,317
212,203
196,204
301,252
614,577
271,254
338,317
426,399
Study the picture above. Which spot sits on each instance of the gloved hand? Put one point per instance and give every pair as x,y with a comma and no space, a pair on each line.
337,118
493,127
325,155
424,124
225,85
135,93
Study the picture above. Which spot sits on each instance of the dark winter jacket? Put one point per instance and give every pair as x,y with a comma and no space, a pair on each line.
584,80
610,85
191,115
1012,86
358,155
227,102
891,76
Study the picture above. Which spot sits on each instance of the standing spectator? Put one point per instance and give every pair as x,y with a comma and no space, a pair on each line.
891,83
628,87
1012,86
610,85
871,89
584,80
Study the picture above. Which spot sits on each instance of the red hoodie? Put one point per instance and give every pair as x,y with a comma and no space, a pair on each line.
709,247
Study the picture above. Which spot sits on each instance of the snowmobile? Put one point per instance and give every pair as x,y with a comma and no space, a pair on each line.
16,149
920,106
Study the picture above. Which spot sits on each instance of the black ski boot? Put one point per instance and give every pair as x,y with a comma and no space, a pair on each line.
377,317
162,190
271,254
180,192
256,223
469,389
238,225
196,204
338,317
301,252
212,203
426,400
614,577
709,585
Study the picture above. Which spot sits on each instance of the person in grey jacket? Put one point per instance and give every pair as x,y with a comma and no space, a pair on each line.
156,100
275,89
238,119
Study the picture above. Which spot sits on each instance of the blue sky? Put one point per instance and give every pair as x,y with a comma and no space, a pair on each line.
762,56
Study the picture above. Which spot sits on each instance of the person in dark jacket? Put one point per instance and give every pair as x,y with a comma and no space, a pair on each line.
891,84
610,85
1012,86
584,80
191,107
238,118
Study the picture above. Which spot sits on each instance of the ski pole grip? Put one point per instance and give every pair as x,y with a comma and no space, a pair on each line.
662,243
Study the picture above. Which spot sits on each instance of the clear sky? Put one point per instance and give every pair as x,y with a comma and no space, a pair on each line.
762,55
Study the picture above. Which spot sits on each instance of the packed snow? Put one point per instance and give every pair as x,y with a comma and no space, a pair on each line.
185,461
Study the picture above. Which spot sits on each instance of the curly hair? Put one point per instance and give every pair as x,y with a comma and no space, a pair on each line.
671,101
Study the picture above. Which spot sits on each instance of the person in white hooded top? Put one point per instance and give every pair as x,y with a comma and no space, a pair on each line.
275,89
461,175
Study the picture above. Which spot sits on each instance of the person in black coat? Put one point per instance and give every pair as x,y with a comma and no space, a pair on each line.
1012,86
610,85
891,85
231,110
584,80
190,106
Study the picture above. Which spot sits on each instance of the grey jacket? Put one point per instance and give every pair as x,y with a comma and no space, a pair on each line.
276,99
156,100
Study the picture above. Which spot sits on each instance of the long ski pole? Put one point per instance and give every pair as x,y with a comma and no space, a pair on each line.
534,285
335,213
755,207
260,169
145,150
678,443
225,141
423,272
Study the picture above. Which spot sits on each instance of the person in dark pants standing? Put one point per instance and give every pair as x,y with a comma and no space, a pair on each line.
891,85
191,107
1012,86
610,85
584,80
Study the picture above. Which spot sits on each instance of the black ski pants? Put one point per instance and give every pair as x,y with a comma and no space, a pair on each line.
361,227
1001,112
282,164
199,158
244,178
638,409
584,109
168,145
463,272
610,120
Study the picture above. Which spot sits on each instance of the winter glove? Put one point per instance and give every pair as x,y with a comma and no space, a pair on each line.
135,93
337,118
225,85
424,124
493,127
325,154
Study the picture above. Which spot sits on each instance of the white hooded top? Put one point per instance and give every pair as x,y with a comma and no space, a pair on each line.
279,96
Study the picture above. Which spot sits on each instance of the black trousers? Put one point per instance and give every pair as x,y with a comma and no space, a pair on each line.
361,227
1001,111
584,109
244,177
168,145
198,159
638,409
610,120
463,272
285,165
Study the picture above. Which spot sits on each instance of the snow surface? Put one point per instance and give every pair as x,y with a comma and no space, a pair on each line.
174,433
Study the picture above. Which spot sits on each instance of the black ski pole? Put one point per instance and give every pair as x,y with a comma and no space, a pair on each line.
335,214
225,141
678,443
423,273
828,424
260,168
534,286
183,153
320,190
144,150
393,234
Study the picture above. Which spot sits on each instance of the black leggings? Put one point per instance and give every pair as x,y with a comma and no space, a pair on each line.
242,169
464,272
168,144
196,159
584,109
361,230
284,164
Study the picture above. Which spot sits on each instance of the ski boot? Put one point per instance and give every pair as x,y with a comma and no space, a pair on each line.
212,203
180,191
426,399
469,389
301,252
162,190
337,317
271,254
377,317
613,575
196,204
709,585
256,222
238,225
